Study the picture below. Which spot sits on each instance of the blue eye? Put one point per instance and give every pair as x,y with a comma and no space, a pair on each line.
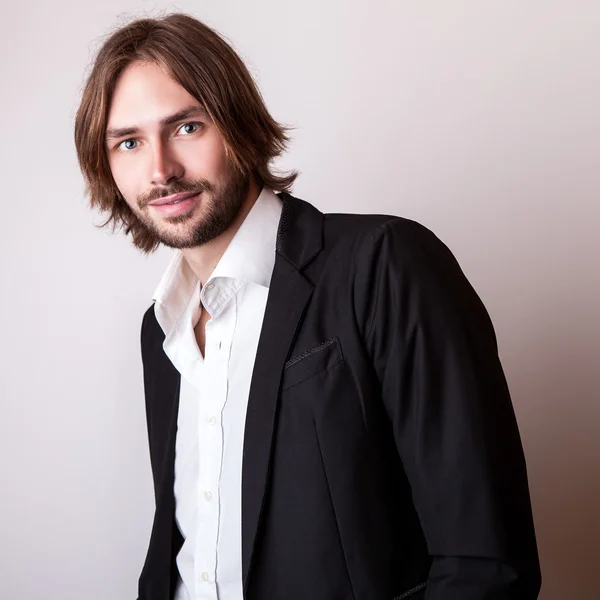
124,142
197,125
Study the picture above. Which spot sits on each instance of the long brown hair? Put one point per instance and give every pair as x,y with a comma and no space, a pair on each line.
206,66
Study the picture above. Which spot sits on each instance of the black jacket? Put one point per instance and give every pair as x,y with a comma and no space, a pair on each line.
382,458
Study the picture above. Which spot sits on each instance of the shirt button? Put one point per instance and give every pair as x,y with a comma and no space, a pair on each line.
204,576
211,420
208,496
210,286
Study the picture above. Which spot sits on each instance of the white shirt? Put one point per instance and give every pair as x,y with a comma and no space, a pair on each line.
214,397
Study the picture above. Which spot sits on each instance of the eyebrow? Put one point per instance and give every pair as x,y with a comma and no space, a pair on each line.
191,111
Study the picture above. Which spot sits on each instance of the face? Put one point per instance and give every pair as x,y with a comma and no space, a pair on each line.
169,161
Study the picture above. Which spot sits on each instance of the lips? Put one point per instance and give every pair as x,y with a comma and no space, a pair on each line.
179,204
174,199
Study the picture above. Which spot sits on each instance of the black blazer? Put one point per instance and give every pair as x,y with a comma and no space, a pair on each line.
382,458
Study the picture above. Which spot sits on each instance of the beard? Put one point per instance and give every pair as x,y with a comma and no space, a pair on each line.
213,213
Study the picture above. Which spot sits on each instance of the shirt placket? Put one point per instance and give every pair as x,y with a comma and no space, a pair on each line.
218,335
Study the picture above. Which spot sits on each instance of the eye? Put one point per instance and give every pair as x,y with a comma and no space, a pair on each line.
121,147
187,125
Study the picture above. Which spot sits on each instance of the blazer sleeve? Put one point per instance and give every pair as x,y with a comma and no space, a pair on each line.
435,353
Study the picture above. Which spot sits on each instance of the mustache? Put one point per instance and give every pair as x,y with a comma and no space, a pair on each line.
179,187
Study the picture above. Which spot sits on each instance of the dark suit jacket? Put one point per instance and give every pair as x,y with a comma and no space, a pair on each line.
382,458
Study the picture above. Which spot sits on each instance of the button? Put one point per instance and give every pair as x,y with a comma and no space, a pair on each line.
210,286
204,576
211,420
208,496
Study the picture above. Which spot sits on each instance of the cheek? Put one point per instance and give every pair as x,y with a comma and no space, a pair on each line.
125,178
214,162
117,174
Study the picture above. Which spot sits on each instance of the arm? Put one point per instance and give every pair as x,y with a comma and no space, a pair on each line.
434,350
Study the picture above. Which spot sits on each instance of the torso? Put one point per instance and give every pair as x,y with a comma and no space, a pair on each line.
200,330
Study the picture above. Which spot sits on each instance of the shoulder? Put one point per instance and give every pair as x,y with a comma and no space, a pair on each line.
386,241
399,262
409,270
351,232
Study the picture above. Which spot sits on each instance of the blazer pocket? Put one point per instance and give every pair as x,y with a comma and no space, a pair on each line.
410,593
313,361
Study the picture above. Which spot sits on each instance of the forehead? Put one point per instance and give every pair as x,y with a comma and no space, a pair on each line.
143,95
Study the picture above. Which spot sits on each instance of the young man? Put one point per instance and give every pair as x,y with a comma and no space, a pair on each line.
327,415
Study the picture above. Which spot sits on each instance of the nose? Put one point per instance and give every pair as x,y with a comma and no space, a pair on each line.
165,166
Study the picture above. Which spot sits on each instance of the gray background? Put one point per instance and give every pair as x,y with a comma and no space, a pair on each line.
479,119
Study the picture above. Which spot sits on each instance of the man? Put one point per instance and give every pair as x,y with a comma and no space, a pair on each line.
327,415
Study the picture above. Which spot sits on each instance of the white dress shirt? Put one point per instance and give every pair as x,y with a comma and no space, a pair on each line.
214,396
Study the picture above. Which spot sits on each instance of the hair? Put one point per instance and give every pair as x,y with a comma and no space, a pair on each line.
208,68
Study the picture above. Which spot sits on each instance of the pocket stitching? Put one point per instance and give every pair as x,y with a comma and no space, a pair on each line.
410,592
308,352
307,355
291,385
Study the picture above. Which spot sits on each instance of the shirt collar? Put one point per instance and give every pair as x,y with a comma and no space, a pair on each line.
249,257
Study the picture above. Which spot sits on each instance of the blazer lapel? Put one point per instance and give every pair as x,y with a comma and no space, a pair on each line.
299,240
162,383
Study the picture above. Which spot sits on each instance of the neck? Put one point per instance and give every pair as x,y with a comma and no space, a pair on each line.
203,259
